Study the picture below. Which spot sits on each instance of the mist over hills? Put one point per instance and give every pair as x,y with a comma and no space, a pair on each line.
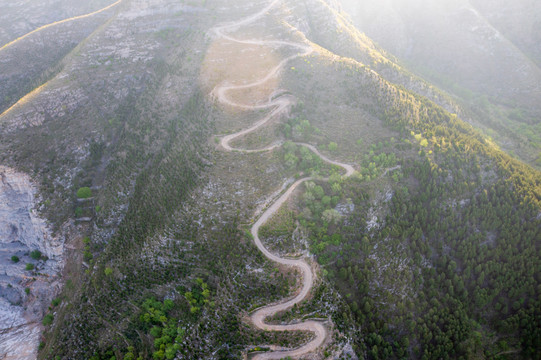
270,179
483,52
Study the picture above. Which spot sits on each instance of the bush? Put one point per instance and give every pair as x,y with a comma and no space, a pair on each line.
84,193
29,266
87,256
333,146
15,259
36,254
48,319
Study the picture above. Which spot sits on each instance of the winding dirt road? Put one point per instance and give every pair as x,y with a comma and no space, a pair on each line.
278,105
58,23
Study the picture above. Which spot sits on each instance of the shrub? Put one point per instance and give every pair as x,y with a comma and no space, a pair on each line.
36,254
48,319
87,256
15,259
333,146
29,266
84,193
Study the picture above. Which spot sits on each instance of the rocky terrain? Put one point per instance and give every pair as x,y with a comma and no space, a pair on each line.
24,294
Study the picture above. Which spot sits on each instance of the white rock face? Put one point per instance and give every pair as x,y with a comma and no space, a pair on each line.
18,220
22,231
19,338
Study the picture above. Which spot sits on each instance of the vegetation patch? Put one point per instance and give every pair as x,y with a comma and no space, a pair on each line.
84,193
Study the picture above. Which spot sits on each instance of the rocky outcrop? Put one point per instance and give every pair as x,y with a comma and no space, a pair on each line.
19,222
24,294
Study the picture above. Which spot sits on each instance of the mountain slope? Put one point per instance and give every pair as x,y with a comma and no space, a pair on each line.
429,250
469,50
31,59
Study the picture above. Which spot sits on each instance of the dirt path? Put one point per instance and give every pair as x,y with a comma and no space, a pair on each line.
58,23
278,105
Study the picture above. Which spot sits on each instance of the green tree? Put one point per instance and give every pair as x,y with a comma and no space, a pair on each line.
331,216
291,160
318,192
333,146
84,193
48,320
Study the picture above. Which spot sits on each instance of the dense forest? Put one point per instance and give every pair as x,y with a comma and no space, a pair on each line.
444,263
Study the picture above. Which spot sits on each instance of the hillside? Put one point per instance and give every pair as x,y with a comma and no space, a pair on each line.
37,38
483,53
262,180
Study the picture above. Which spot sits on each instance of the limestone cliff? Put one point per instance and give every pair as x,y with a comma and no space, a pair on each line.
24,294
